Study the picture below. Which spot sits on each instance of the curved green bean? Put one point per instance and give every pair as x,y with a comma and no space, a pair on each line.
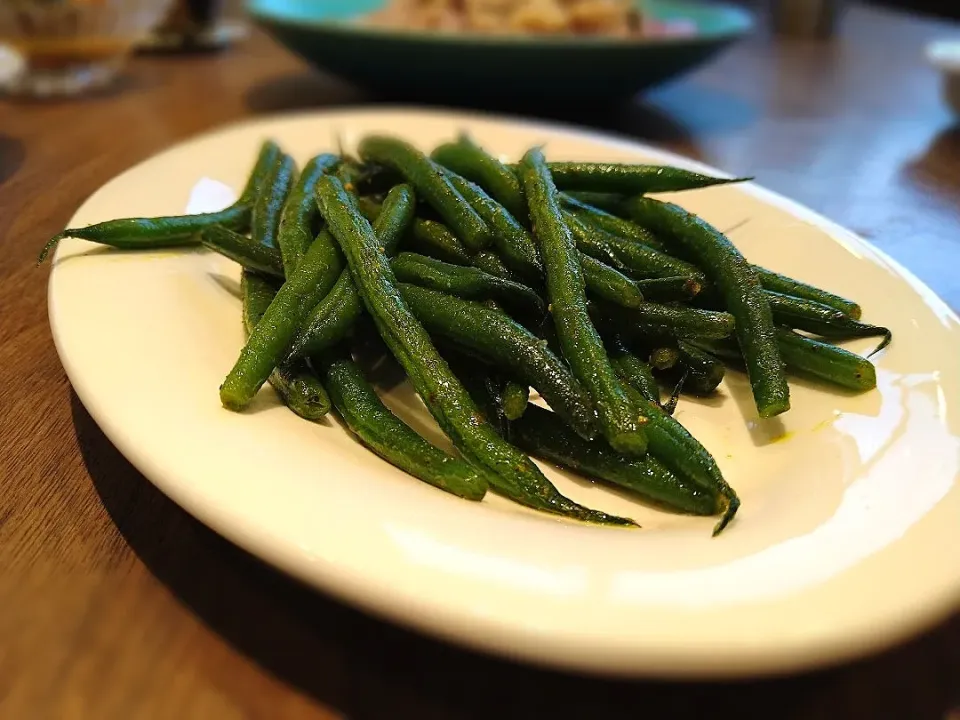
466,282
544,435
392,439
611,224
242,250
432,186
823,320
740,289
682,453
176,230
637,259
466,158
272,339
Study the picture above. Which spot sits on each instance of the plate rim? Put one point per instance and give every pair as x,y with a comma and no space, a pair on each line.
493,637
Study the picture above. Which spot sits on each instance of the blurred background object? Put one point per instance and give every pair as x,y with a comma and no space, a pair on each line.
807,18
198,25
469,67
68,46
945,55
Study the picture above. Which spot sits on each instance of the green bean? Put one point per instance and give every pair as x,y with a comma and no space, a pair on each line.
702,373
544,435
611,203
611,224
665,321
433,239
268,207
493,264
427,237
820,319
495,338
271,339
242,250
432,186
582,346
297,386
807,357
772,281
300,213
664,358
680,451
392,439
465,158
510,238
788,286
634,371
512,472
267,158
638,260
177,230
670,289
630,179
605,283
466,282
331,319
740,289
591,241
827,362
516,397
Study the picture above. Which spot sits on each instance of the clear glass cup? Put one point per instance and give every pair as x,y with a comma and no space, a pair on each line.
69,46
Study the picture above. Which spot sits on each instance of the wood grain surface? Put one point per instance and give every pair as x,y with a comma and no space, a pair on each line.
116,604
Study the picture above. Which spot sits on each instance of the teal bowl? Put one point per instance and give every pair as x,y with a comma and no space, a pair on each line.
453,66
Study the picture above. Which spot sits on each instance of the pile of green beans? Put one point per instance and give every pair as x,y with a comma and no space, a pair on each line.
484,281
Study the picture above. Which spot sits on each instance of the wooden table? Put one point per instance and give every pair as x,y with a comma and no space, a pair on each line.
115,604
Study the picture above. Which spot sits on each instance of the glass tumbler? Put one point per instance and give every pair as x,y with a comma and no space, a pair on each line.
69,46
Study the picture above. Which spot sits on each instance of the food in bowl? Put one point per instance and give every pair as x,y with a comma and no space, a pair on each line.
553,17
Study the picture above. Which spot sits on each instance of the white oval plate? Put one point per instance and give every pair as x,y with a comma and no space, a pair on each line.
845,544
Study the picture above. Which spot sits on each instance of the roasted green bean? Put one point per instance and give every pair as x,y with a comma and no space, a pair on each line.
295,383
432,186
512,472
392,439
495,338
300,213
740,289
582,346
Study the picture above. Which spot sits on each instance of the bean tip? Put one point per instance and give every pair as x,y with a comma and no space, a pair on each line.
887,338
51,244
728,504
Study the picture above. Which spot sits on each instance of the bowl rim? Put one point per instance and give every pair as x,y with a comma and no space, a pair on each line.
741,22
